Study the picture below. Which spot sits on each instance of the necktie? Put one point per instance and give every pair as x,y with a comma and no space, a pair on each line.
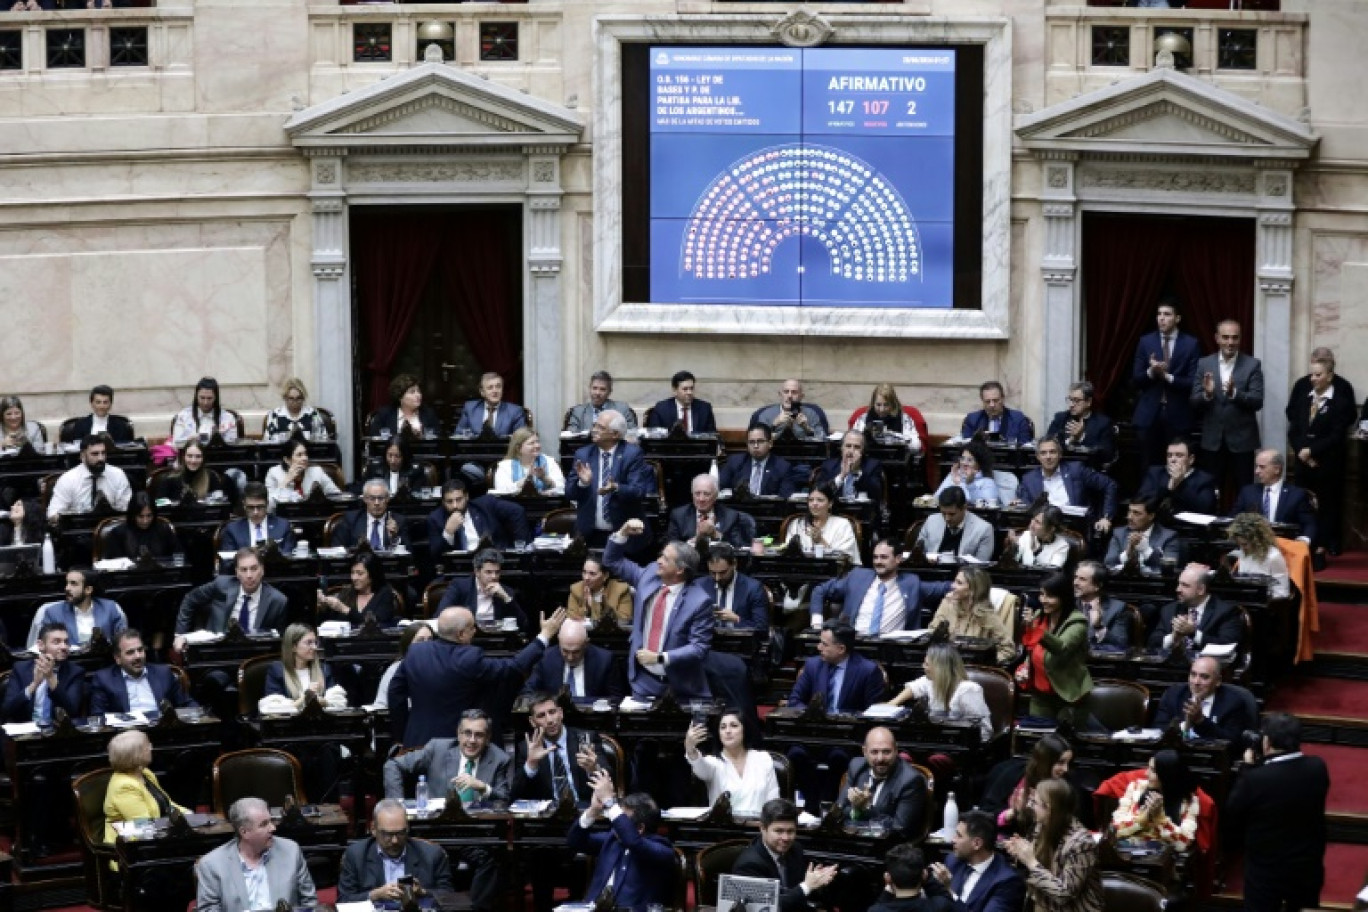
877,624
1315,406
468,794
657,621
561,774
1268,504
258,534
461,539
757,477
94,490
375,534
833,695
780,862
685,419
42,703
848,489
489,417
570,681
1168,348
245,613
605,475
993,425
722,592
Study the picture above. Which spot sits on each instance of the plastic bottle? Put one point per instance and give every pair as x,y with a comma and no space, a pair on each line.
421,793
49,555
951,814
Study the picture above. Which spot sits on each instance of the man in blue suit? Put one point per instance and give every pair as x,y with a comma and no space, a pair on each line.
1164,369
878,600
464,518
1150,542
738,600
853,474
672,619
482,592
695,415
585,670
975,877
1276,500
996,420
1070,484
610,481
638,862
258,525
763,474
47,682
80,602
444,677
130,684
1179,483
503,418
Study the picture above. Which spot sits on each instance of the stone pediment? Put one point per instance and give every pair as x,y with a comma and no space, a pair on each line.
1166,113
433,104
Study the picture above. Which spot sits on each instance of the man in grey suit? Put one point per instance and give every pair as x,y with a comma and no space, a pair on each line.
255,605
476,769
255,869
1228,393
372,867
1109,623
954,529
1142,537
580,418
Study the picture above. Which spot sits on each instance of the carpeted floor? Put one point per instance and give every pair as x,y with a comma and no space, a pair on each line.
1321,697
1343,628
1349,567
1348,785
1344,867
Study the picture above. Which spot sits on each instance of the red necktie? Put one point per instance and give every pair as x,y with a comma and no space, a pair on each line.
657,621
687,428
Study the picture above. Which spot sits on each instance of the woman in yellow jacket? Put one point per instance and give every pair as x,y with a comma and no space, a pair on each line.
133,792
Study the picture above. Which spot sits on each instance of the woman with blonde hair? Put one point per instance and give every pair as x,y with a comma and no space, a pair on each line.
296,416
299,670
525,460
969,611
947,688
1061,864
1256,551
133,792
885,409
15,428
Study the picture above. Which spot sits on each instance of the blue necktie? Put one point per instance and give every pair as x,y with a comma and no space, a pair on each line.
877,623
570,680
245,613
757,477
834,689
375,535
1267,505
42,703
848,489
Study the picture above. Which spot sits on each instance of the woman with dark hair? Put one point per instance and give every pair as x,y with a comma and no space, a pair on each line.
1162,805
397,469
1011,783
1062,873
747,774
368,592
973,473
416,632
294,479
140,530
192,474
407,411
24,525
1055,670
1041,545
822,527
205,415
597,593
15,428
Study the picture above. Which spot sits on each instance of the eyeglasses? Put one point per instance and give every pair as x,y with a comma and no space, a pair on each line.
254,508
1075,399
376,498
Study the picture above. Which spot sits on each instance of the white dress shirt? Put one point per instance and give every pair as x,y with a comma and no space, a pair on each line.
894,608
140,696
71,493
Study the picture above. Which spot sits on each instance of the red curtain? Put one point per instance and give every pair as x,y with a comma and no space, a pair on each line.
478,285
1214,278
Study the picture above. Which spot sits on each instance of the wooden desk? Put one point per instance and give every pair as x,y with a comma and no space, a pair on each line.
958,738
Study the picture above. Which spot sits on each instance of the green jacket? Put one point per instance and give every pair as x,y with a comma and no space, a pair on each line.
1066,658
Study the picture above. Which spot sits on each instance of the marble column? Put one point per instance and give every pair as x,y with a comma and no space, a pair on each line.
334,384
1273,298
1059,269
543,352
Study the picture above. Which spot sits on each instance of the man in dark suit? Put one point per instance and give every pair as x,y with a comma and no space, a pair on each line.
554,757
706,518
695,415
853,474
1320,411
1070,484
881,599
1206,708
586,671
46,682
258,525
906,884
375,524
672,619
803,419
1109,623
1196,615
99,421
372,867
130,684
445,676
245,596
1143,538
503,418
1163,372
610,481
763,474
482,592
997,421
976,877
776,854
1227,394
1080,426
1277,812
464,518
738,600
880,786
1178,483
640,864
1276,500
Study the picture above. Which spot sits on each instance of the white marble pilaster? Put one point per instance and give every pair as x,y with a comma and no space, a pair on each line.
543,351
1059,269
1273,297
333,388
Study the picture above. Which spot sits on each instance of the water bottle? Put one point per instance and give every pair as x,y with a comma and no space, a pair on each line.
49,555
421,793
951,814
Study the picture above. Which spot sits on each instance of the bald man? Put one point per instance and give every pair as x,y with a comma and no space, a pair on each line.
1204,707
586,671
441,678
807,422
880,786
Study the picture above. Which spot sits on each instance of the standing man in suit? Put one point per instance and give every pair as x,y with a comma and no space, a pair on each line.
1164,370
997,421
586,671
490,411
46,682
776,854
955,530
464,519
373,866
1228,394
1142,538
1079,426
1204,707
476,769
880,786
763,474
878,600
976,877
255,869
374,524
482,592
1196,615
738,600
1320,411
130,684
638,863
1276,500
580,419
443,677
1277,812
1109,623
695,415
81,612
704,518
100,421
258,525
672,619
1178,484
610,481
804,421
255,604
1069,484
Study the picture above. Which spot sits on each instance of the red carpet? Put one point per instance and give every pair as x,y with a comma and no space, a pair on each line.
1343,628
1348,785
1321,697
1349,567
1344,868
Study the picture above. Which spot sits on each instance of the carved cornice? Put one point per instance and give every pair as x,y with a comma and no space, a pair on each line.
1163,109
333,271
1224,182
434,172
427,102
1058,277
1058,210
1275,286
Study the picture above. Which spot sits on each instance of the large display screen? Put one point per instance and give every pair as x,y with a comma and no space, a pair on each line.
814,177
